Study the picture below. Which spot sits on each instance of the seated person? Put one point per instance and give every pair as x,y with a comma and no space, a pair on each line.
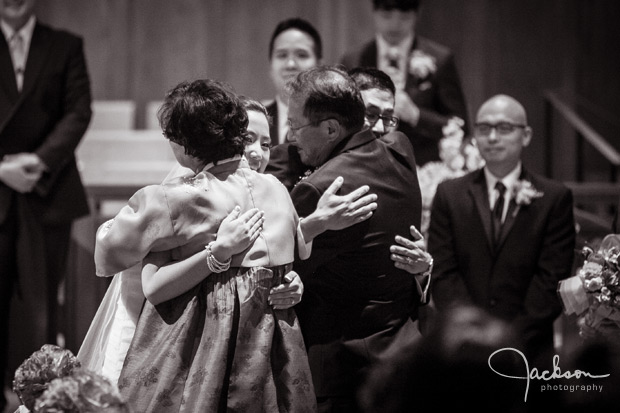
33,376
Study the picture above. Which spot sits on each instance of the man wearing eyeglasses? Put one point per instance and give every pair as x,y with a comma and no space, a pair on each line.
503,237
357,306
377,90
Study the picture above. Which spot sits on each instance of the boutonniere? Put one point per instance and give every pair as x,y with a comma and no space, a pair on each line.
305,175
421,65
524,193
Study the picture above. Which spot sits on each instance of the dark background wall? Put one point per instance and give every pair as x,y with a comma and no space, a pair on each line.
137,49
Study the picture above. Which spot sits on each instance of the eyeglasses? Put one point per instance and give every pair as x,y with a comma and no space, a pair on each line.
388,121
293,129
502,128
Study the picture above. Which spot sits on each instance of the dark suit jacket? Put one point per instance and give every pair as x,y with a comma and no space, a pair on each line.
516,281
49,117
356,303
439,97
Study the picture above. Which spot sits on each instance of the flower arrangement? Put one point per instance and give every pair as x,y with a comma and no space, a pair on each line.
457,159
421,64
593,294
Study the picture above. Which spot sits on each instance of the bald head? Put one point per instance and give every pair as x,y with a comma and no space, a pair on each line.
501,132
506,105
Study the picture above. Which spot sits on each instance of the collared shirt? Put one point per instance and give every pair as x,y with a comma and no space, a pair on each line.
282,108
26,34
401,52
508,181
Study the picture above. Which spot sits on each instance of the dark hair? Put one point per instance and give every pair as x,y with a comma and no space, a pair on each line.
206,118
252,104
301,25
372,78
35,373
329,92
402,5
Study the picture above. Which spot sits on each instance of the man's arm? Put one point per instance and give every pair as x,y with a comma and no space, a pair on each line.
450,102
59,146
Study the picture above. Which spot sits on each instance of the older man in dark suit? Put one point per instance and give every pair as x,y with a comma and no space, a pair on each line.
358,307
428,88
503,237
44,112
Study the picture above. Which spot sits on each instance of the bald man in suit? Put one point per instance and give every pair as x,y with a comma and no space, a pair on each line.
503,237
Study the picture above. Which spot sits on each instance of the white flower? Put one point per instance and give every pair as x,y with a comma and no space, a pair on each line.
421,65
524,192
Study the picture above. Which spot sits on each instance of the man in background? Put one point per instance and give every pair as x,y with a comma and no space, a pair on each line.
295,46
503,237
44,112
378,92
428,89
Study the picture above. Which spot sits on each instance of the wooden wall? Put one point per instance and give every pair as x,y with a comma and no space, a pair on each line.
137,49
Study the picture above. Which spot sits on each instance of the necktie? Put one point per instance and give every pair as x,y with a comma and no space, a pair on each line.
18,53
498,210
393,58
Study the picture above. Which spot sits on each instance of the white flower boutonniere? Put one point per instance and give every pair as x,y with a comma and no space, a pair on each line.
524,193
421,65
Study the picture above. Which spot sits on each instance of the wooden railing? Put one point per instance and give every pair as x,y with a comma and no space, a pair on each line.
584,134
601,193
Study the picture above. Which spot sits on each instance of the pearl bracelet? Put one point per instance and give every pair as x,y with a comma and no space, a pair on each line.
214,265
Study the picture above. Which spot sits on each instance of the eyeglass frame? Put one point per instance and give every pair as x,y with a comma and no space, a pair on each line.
291,129
496,127
384,118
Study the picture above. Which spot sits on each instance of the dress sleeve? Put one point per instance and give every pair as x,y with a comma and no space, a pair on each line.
144,224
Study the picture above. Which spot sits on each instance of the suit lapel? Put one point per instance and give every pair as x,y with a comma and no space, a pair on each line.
7,74
478,191
40,47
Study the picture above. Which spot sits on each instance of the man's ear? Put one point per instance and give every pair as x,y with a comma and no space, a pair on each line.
332,129
527,136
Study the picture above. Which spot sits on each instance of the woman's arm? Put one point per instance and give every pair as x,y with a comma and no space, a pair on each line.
163,280
335,212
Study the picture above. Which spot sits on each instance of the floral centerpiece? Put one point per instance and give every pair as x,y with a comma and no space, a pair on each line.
457,159
593,293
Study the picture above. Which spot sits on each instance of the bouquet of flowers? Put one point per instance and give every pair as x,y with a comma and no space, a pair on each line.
593,294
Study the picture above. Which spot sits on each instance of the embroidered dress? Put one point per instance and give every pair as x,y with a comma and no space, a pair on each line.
219,346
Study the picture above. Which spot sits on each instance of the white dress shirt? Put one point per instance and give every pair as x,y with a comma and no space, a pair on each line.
400,52
19,59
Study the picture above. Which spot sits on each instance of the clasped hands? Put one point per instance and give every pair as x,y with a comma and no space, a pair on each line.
21,171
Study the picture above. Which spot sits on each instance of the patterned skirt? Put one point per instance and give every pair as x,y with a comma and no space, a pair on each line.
220,347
